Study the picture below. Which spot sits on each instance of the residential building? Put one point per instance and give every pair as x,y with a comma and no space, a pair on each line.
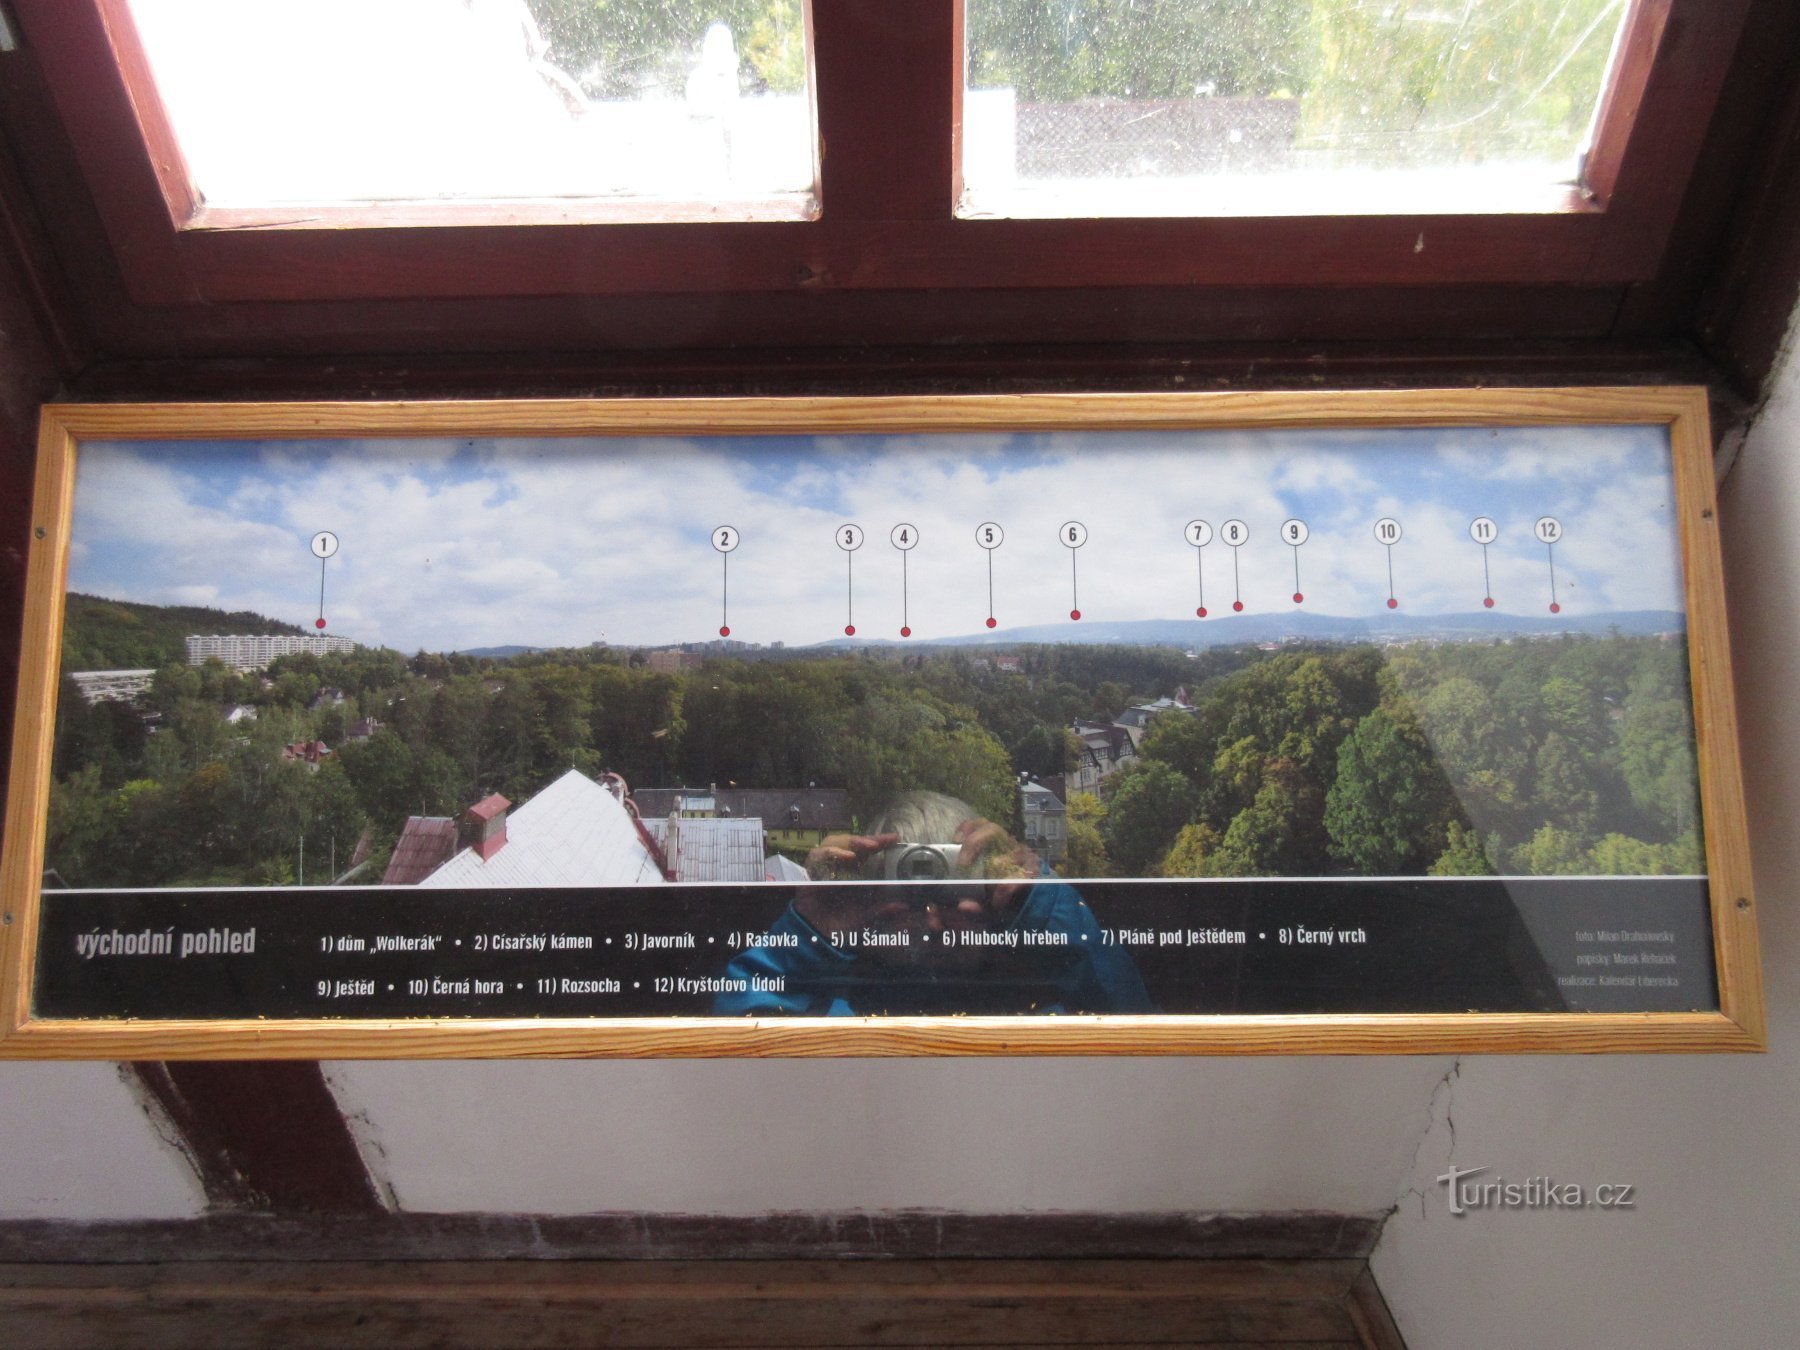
1046,822
791,817
1106,748
575,832
710,848
118,686
253,651
425,844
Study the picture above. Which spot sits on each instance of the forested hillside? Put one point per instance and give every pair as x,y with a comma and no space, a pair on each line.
1564,755
1559,757
101,634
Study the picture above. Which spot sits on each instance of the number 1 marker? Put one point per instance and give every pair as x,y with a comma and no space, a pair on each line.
324,544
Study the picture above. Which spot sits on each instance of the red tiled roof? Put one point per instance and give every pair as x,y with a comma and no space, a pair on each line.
424,846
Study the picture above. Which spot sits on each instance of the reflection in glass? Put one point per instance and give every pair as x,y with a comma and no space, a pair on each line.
968,921
343,101
1228,107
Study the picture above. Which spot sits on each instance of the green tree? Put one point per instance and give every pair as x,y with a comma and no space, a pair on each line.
1191,855
1148,808
1387,811
1463,854
1565,789
1060,50
1087,855
1621,855
1412,82
1656,756
1481,748
382,773
1552,852
1278,834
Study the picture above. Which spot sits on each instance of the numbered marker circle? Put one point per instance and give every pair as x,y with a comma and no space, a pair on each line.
1199,533
1483,530
903,536
324,544
1387,530
1235,533
1548,529
725,538
1073,534
849,537
989,535
1294,532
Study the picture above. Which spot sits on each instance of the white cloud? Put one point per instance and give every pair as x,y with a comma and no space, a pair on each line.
449,545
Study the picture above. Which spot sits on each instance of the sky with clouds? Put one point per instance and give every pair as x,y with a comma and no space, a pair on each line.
447,545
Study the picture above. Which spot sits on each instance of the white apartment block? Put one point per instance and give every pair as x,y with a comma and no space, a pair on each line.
254,651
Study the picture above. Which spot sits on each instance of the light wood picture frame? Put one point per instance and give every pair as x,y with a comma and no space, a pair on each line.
102,964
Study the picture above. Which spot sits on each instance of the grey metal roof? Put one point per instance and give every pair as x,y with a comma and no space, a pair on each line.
714,849
810,808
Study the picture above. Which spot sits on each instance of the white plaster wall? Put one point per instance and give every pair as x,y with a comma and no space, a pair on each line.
75,1144
1711,1254
982,1136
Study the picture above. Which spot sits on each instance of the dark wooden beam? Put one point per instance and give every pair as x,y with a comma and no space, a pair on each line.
895,1235
1742,315
264,1135
714,1303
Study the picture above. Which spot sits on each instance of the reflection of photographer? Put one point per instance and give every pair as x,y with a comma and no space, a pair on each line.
934,910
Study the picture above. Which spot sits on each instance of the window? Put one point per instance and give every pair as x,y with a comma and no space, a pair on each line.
1284,107
901,219
342,102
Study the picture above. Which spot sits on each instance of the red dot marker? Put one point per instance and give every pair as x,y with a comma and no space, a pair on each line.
1555,608
1393,603
1298,597
1074,614
724,631
318,623
1200,613
991,623
906,632
849,630
1488,603
1238,605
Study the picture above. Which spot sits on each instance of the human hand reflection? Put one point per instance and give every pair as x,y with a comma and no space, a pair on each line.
993,874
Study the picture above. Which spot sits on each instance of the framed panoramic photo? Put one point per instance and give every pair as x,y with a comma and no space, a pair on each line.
1361,722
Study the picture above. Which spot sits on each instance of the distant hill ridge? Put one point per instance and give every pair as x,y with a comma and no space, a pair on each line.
1235,629
103,634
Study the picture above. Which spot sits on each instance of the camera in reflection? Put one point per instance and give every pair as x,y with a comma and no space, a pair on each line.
916,862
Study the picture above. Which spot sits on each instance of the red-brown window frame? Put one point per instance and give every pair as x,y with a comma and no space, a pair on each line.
888,82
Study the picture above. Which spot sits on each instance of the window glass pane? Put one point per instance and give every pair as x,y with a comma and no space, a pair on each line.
1228,107
321,101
